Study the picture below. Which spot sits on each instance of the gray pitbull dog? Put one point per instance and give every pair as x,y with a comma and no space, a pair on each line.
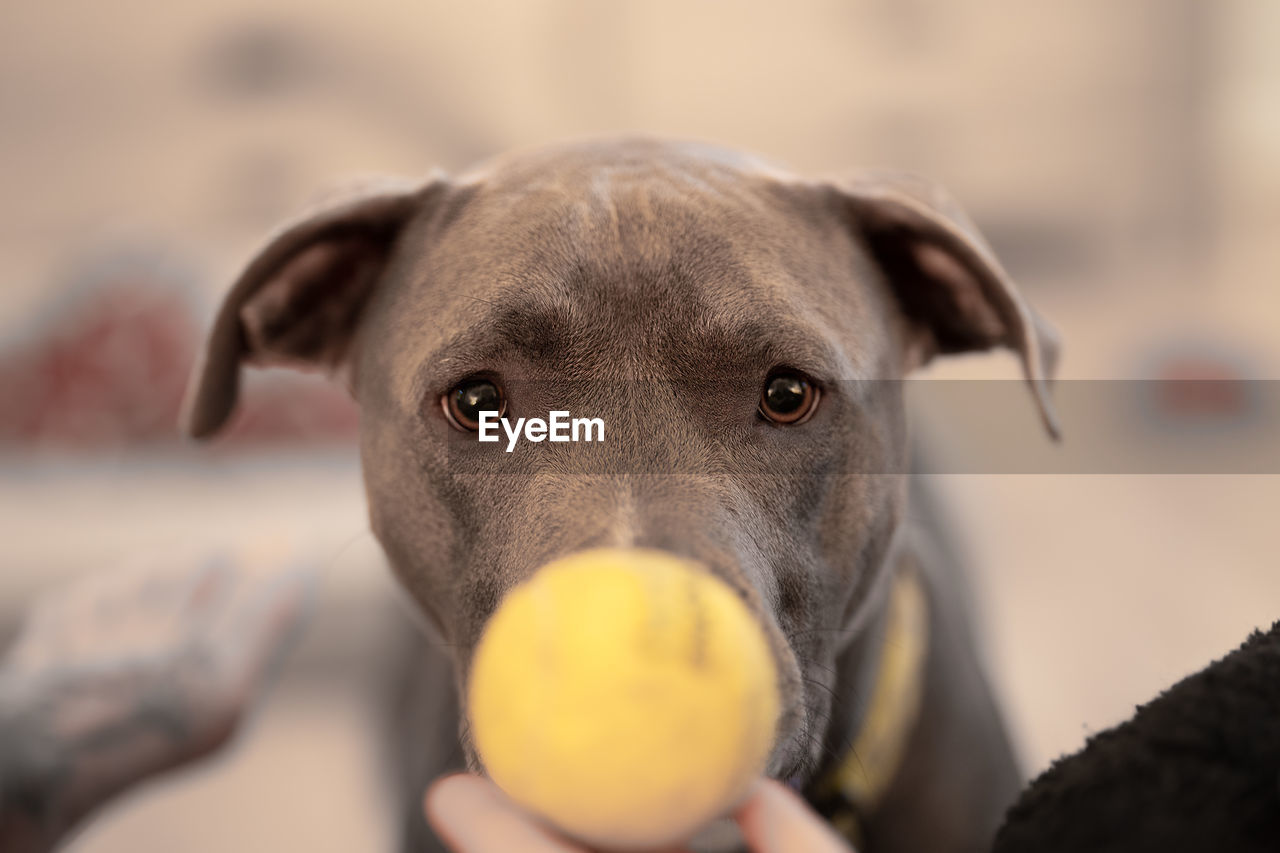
742,333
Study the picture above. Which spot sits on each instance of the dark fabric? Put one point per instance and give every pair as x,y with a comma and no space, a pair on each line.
1196,769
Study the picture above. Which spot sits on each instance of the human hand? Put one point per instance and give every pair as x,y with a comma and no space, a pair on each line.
131,672
471,815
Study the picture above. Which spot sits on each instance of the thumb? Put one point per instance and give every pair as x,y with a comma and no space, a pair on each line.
775,820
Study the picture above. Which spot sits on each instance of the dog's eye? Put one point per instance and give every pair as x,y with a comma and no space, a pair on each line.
788,397
465,401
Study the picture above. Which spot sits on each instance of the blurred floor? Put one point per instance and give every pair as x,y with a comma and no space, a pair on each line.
1097,591
252,799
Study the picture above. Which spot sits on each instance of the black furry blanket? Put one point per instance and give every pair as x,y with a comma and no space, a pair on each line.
1196,769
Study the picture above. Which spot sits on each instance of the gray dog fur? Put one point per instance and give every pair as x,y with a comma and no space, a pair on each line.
656,284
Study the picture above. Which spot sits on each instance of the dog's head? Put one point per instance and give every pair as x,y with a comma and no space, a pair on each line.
739,331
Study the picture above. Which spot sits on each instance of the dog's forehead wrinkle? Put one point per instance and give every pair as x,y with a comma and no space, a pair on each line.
617,264
631,335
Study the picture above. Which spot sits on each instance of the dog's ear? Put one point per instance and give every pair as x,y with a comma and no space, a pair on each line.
946,278
298,301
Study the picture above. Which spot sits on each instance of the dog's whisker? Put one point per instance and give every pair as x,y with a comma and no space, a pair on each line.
824,667
828,688
844,746
815,739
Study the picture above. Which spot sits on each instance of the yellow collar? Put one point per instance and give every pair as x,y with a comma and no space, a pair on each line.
855,786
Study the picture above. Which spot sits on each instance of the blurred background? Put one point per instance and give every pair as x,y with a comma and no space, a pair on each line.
1123,158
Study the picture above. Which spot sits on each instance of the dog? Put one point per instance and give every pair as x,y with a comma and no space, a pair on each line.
742,332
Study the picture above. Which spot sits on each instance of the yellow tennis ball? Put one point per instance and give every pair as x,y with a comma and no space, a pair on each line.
626,696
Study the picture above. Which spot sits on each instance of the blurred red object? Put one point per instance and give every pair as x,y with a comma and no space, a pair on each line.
109,369
1203,387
